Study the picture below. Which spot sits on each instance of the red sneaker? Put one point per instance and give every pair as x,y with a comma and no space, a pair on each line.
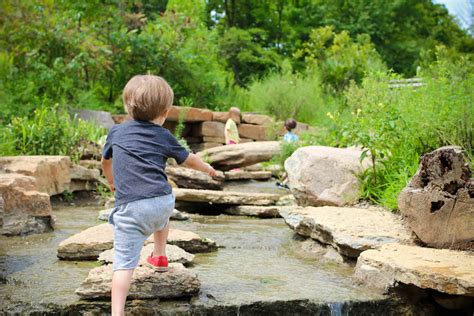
159,263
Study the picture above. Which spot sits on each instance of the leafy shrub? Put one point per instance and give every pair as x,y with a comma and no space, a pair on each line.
50,131
290,95
339,58
396,126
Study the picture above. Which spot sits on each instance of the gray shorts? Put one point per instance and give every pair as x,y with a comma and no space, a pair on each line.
133,223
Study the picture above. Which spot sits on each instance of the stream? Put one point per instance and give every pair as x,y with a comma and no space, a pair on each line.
259,261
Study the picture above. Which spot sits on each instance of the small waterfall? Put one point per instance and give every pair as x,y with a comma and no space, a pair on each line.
336,308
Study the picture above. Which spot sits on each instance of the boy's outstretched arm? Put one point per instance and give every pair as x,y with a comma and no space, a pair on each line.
195,162
107,170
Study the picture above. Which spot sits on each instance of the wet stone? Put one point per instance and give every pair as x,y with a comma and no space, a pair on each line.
90,243
446,271
147,283
349,230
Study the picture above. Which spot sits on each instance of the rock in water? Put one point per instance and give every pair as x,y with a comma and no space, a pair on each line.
240,155
189,241
225,197
439,201
446,271
179,216
320,175
146,283
255,211
90,243
193,179
23,208
174,253
349,230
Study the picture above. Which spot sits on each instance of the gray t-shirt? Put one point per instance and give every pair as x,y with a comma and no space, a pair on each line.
140,150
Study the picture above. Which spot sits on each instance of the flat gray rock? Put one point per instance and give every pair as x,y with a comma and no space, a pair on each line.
225,197
349,230
247,175
146,283
255,211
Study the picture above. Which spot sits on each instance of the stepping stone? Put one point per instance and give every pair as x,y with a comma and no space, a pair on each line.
174,253
443,270
247,175
90,243
147,283
189,241
225,197
349,230
256,211
87,244
240,155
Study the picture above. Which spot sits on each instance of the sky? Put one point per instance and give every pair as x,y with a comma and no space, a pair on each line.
458,8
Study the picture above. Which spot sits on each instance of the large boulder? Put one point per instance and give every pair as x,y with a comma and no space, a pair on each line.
446,271
439,201
240,155
350,230
100,118
320,175
23,208
174,254
90,243
146,283
193,179
52,173
225,197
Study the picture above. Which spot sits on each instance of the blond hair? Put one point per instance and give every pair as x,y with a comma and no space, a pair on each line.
147,97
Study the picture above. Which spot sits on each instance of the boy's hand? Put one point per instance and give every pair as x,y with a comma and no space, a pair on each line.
211,171
112,187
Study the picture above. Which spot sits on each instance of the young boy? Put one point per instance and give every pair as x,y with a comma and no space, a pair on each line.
290,137
143,197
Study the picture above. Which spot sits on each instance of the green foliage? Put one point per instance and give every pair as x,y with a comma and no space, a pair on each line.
340,59
82,54
51,131
245,55
399,29
178,132
290,95
396,126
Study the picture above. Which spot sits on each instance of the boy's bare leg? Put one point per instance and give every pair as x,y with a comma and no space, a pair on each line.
121,280
160,238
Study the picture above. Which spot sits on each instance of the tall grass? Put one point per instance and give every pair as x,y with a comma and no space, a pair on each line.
397,126
49,131
291,95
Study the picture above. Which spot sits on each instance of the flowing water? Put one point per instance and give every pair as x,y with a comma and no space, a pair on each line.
259,261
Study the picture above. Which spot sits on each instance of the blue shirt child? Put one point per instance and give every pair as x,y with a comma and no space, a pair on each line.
140,150
290,137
